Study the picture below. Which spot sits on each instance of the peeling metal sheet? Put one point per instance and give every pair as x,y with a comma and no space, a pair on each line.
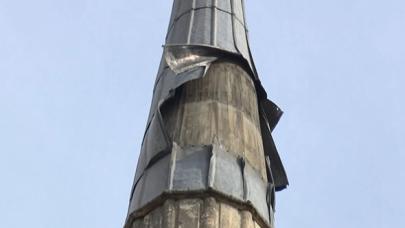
151,185
277,175
272,112
182,58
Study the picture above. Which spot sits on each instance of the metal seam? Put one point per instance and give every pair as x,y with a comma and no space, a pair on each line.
242,165
212,169
214,23
172,167
233,29
190,28
205,7
244,13
159,77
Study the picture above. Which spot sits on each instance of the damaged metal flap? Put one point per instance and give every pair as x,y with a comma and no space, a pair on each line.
152,183
182,58
272,111
277,169
155,144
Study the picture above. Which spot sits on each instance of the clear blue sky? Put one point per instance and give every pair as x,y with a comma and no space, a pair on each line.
76,81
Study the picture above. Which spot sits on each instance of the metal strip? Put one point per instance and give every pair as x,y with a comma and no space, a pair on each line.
214,23
233,27
172,165
190,29
212,170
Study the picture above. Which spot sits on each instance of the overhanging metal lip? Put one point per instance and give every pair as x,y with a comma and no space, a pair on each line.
272,111
215,51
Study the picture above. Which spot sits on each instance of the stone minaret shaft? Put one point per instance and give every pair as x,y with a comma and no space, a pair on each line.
208,159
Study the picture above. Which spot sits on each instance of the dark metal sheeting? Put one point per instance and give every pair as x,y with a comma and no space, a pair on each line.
219,23
199,168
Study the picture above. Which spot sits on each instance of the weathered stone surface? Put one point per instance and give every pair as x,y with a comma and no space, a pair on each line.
230,216
199,213
247,220
210,216
169,214
188,213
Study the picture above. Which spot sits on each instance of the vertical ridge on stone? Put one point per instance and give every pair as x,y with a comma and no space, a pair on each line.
210,216
247,220
169,214
207,158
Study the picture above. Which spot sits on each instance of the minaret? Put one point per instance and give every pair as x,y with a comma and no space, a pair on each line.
208,159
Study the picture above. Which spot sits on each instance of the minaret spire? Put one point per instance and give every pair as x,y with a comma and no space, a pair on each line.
207,158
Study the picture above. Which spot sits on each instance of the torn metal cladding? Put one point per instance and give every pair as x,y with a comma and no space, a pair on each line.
201,32
202,168
182,58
